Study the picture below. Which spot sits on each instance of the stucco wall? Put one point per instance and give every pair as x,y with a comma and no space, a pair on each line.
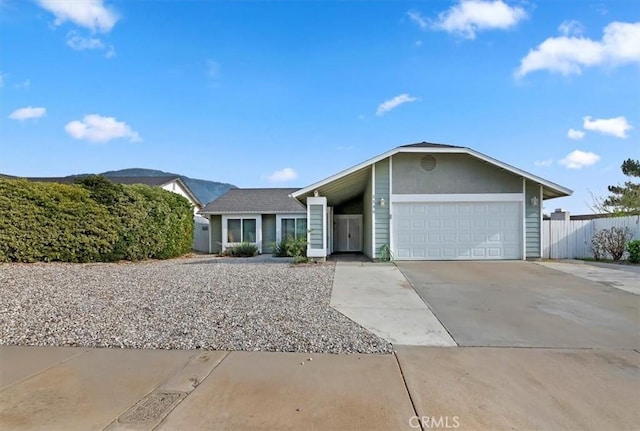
454,173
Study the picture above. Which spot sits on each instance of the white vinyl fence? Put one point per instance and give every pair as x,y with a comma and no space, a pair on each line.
201,235
572,239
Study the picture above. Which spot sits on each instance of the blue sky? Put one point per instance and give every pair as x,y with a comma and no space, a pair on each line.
283,93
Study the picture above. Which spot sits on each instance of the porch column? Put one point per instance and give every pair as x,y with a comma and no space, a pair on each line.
317,227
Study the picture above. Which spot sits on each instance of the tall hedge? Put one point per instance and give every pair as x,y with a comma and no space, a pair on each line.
90,221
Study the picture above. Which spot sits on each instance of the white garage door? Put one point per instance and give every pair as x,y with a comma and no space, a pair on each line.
457,230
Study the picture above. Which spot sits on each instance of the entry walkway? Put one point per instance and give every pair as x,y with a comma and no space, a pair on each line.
378,297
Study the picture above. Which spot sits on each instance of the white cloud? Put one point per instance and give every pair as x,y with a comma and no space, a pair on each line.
90,14
390,104
213,69
96,128
27,113
578,159
283,175
571,28
417,18
617,126
575,134
2,76
570,54
543,163
111,52
471,16
80,43
23,85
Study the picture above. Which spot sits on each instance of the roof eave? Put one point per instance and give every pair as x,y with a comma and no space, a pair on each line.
560,190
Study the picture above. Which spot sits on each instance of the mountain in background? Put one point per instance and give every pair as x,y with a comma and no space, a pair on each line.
205,190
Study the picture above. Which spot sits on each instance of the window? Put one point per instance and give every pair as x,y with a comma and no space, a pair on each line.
249,230
234,230
293,228
241,230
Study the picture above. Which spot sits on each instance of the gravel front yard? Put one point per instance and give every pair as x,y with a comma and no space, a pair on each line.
201,302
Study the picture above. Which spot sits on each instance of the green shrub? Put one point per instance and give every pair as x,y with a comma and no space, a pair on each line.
385,254
244,249
612,242
291,247
633,247
92,220
41,222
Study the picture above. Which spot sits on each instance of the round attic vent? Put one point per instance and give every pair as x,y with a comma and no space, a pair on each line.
428,163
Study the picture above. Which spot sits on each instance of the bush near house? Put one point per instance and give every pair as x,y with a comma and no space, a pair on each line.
634,251
93,220
244,249
610,242
291,247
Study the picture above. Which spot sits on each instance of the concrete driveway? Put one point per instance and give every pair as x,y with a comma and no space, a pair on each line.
522,304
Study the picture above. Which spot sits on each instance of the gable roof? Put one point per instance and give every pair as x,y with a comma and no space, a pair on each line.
551,189
255,201
149,181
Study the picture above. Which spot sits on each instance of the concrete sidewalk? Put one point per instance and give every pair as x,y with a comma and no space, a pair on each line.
437,388
61,388
378,297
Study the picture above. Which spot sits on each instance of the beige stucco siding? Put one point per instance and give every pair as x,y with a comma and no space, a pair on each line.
454,173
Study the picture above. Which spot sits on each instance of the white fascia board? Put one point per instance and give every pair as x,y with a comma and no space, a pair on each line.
341,174
449,150
187,191
462,197
513,169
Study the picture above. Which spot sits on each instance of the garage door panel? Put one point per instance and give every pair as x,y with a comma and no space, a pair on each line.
453,230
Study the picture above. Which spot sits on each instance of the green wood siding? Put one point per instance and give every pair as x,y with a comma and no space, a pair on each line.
381,214
316,233
367,219
532,220
215,230
268,232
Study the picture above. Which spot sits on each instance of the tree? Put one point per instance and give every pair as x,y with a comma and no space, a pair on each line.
624,199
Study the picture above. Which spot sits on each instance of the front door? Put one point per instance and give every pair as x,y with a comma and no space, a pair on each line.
348,232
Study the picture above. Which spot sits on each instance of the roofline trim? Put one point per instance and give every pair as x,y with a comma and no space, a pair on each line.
186,189
301,211
453,150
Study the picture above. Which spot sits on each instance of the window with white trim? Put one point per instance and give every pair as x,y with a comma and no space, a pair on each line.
293,228
241,230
